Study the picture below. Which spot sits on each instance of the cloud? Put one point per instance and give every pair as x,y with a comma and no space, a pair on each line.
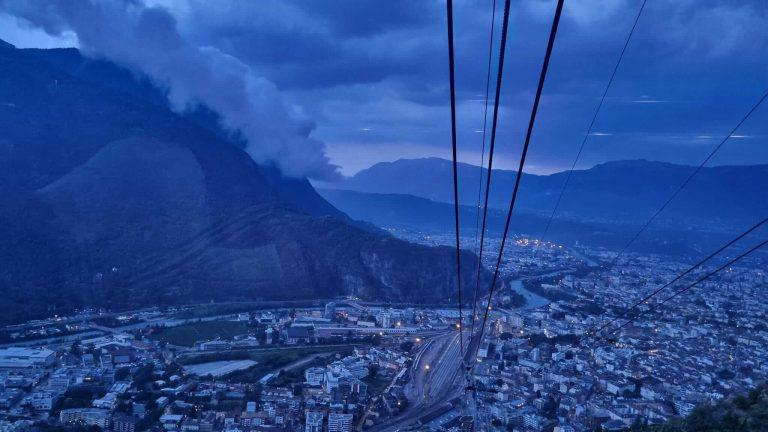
310,45
582,12
717,29
146,39
382,65
21,35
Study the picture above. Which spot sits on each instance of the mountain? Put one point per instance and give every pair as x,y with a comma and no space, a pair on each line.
113,200
617,192
416,214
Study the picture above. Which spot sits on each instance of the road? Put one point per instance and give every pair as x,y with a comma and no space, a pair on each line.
254,305
435,375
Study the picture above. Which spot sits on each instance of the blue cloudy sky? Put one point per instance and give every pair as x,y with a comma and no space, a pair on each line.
372,75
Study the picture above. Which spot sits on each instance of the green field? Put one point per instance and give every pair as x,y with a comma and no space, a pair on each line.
268,360
296,375
188,334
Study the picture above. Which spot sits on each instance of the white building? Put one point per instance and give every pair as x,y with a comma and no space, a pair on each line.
42,400
338,422
250,407
108,401
314,376
314,421
16,358
89,416
60,381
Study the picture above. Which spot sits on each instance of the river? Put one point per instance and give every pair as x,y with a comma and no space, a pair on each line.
532,300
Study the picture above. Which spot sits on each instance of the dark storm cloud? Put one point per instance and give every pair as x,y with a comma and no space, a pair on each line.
302,45
372,74
366,18
146,39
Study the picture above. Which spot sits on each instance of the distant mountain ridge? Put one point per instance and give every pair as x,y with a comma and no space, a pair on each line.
620,191
112,200
420,215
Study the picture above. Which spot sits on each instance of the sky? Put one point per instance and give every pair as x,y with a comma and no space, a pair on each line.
369,78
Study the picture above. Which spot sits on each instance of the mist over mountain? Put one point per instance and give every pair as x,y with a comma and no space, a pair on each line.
416,214
191,75
114,200
625,192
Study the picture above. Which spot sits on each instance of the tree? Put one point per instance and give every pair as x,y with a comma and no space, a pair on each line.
549,410
75,348
373,370
143,375
122,373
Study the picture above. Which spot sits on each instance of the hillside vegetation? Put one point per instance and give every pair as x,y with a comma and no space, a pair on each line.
747,413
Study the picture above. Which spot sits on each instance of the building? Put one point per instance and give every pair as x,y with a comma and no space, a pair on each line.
124,423
214,345
88,416
108,401
118,354
43,400
298,334
533,421
60,381
330,310
314,421
515,320
327,331
338,422
384,319
466,423
314,376
18,358
536,354
171,422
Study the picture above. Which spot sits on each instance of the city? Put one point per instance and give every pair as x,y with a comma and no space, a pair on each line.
351,365
383,215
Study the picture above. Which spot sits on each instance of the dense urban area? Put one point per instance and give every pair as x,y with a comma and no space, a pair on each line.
344,364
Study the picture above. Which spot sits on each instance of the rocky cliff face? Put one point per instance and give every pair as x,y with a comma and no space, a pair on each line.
110,199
